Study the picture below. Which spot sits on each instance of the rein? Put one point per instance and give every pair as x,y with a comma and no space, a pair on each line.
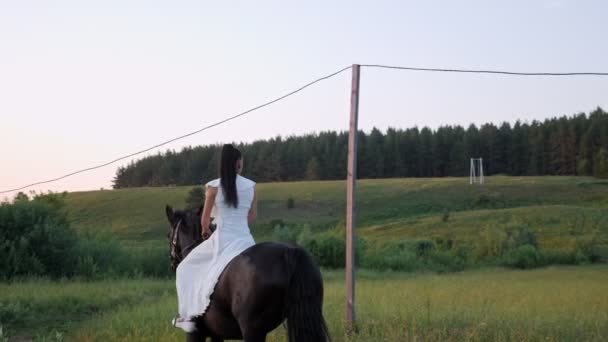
175,256
174,235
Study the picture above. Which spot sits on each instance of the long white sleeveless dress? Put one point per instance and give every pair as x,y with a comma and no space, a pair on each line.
198,273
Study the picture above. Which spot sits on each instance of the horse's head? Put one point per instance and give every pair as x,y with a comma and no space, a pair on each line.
184,234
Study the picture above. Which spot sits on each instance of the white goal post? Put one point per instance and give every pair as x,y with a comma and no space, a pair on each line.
476,171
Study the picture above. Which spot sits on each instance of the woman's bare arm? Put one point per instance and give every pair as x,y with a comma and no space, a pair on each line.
206,216
253,211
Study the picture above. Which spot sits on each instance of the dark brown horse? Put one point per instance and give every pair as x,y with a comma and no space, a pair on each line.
259,289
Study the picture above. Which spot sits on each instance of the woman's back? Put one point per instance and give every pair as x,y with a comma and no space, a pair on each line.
228,217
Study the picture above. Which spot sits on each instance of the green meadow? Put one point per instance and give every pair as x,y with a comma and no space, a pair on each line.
555,208
455,292
566,303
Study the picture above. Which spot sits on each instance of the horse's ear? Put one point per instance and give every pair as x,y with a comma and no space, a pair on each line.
169,212
199,212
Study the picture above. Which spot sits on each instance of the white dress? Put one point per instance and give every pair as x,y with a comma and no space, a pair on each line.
198,273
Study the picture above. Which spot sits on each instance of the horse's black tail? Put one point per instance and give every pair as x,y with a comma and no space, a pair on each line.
304,304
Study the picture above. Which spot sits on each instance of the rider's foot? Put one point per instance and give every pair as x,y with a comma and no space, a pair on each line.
185,324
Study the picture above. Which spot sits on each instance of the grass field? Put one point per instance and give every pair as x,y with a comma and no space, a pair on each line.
557,303
551,304
555,208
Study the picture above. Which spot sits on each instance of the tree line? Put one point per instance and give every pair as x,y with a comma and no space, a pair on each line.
568,145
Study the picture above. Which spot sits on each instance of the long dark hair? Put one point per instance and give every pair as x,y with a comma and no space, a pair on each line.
228,174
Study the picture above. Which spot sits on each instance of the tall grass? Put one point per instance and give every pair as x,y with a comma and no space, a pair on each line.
565,303
39,307
137,215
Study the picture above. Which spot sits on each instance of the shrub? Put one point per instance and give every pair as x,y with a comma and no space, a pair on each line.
328,248
519,235
491,245
556,257
592,250
402,260
444,245
482,200
307,240
600,164
87,267
291,203
599,253
150,262
580,257
443,261
195,198
463,253
331,251
277,222
424,247
35,238
285,233
446,216
523,257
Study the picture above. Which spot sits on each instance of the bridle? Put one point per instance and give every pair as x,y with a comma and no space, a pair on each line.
176,257
175,250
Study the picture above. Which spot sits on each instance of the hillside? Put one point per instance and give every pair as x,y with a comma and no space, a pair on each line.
559,210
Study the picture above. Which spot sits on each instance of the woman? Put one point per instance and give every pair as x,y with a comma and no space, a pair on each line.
232,201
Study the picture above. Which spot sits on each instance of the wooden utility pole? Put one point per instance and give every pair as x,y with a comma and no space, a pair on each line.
351,178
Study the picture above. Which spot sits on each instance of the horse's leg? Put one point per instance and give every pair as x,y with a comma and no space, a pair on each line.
254,338
195,337
252,330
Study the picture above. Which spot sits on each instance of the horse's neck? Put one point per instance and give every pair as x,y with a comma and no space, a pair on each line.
189,248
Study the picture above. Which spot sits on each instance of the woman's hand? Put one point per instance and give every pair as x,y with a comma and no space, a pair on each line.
206,233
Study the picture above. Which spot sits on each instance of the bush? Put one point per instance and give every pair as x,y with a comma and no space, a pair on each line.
523,257
291,203
195,198
492,244
519,235
424,247
35,238
481,200
555,257
285,233
87,267
401,260
445,217
151,262
393,255
599,253
592,250
307,240
331,251
600,164
328,248
442,261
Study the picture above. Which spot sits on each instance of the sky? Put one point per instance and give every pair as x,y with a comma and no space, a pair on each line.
85,82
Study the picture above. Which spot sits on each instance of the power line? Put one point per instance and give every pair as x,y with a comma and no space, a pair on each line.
185,135
501,72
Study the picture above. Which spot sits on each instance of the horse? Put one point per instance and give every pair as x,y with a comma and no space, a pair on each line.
267,284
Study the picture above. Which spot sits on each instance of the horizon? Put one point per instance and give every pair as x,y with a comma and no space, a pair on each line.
316,133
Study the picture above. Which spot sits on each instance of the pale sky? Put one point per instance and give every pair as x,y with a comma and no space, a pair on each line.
84,82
